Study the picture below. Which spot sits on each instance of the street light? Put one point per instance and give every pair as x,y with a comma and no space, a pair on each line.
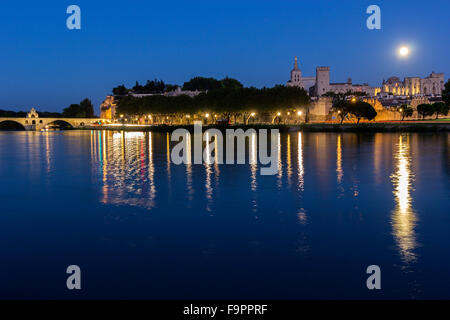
279,114
299,113
207,115
252,114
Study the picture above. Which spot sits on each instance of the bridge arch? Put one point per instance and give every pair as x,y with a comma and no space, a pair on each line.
60,123
11,125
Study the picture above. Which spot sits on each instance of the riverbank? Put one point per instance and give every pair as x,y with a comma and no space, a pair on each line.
416,126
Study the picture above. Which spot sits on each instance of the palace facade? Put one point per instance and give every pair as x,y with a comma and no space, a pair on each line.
320,84
412,86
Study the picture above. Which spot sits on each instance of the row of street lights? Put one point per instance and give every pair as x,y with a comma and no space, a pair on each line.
207,115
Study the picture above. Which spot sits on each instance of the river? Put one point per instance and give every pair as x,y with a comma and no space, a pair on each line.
140,226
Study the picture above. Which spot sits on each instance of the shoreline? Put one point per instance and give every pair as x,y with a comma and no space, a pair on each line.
314,127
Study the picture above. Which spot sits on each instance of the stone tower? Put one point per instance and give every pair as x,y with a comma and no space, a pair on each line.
322,80
296,75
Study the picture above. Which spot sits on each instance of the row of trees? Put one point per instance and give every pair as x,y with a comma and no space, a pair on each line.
195,84
437,109
227,102
84,109
354,108
23,114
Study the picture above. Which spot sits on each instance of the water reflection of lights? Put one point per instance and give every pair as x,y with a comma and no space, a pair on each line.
168,154
404,218
301,170
288,159
47,152
280,164
253,161
208,187
190,189
151,170
123,168
339,171
134,134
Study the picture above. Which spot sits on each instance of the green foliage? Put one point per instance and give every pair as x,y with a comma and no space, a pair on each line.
12,114
446,93
120,90
342,107
230,83
406,111
358,109
361,109
425,110
228,101
202,84
83,110
440,108
23,114
206,84
343,96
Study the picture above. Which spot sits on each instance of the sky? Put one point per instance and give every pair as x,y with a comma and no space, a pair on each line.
47,66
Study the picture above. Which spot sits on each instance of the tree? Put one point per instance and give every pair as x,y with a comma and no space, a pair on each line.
202,84
223,102
230,83
361,109
120,90
440,108
343,108
83,110
73,111
137,87
405,111
425,110
446,93
87,108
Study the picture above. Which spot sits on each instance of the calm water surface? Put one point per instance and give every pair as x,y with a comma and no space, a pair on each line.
141,227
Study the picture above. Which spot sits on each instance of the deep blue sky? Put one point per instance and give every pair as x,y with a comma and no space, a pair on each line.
45,65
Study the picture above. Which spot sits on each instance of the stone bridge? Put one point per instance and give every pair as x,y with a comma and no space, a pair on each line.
33,122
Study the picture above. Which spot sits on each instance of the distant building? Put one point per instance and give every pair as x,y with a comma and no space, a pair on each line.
413,86
177,92
109,105
297,80
108,108
320,84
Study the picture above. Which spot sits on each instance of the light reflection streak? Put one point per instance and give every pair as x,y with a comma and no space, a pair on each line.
339,170
301,170
208,170
190,189
47,152
151,171
280,164
168,155
253,161
404,218
288,159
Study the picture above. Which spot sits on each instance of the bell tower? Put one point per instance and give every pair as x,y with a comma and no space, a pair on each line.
296,75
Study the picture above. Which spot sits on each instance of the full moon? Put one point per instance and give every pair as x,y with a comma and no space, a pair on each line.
404,51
